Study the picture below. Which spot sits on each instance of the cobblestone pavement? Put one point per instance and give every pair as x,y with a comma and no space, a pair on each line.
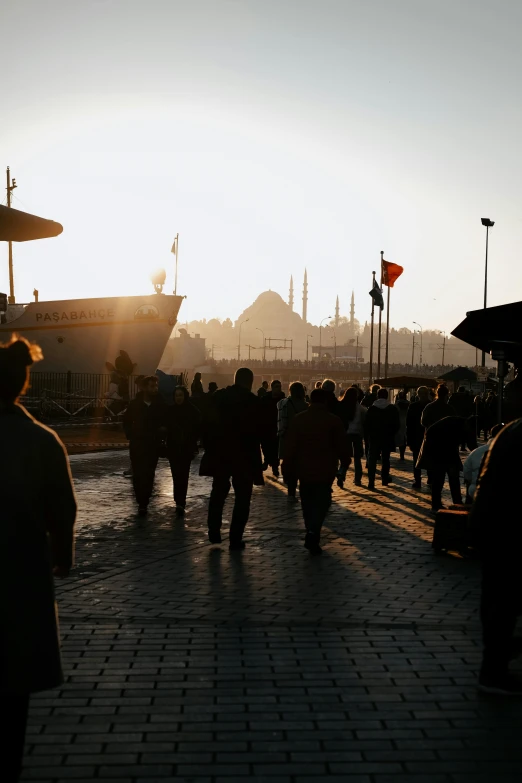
191,662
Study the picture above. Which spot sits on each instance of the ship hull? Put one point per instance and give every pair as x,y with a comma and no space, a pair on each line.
82,335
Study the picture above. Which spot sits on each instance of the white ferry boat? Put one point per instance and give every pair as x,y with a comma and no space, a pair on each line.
83,335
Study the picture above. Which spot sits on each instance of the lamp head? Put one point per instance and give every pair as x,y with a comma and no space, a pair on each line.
487,222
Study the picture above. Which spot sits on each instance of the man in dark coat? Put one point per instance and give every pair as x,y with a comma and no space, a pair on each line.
232,452
380,427
439,455
263,389
315,443
438,409
495,521
183,422
462,403
370,396
415,430
270,442
144,422
38,512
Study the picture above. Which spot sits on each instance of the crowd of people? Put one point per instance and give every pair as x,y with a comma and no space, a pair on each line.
312,438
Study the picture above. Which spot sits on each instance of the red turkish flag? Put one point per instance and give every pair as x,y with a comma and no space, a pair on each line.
390,273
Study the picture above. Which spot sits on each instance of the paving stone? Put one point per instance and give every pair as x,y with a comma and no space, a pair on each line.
189,662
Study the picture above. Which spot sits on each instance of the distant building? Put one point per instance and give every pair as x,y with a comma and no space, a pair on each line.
183,353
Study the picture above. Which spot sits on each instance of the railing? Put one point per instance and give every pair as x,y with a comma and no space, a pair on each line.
77,396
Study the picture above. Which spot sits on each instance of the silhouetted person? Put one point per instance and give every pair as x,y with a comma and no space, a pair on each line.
438,409
415,430
318,384
263,389
38,512
332,403
353,416
232,452
402,404
270,442
315,444
439,455
183,421
287,408
462,403
196,387
212,387
144,423
495,520
370,396
381,426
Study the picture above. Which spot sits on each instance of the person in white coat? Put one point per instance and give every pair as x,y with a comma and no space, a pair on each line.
471,467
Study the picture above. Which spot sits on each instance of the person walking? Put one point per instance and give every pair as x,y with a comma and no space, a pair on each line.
183,422
495,522
144,426
263,389
270,442
332,403
370,396
439,408
415,430
353,415
37,544
439,455
402,404
381,426
196,387
462,403
287,408
315,444
232,454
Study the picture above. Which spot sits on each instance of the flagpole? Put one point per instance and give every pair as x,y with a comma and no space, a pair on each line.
387,334
380,327
371,335
176,275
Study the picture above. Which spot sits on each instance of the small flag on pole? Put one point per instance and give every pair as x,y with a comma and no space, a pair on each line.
376,295
174,246
390,273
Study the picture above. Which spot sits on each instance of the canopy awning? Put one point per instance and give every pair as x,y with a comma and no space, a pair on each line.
406,382
484,328
17,226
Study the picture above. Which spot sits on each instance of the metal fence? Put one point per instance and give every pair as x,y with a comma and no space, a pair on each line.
75,395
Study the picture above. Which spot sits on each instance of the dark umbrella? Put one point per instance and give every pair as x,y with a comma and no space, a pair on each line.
406,382
17,226
484,329
459,374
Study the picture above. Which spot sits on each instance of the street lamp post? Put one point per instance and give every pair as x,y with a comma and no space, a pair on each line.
320,335
264,342
239,339
307,336
420,327
488,224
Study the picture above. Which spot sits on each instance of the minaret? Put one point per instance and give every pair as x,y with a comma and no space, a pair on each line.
337,313
305,297
352,313
291,293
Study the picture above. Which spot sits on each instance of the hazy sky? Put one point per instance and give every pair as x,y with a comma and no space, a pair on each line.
273,135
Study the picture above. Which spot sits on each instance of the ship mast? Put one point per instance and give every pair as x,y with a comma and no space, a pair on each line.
10,187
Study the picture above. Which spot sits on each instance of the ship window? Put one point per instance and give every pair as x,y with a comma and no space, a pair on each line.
146,312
